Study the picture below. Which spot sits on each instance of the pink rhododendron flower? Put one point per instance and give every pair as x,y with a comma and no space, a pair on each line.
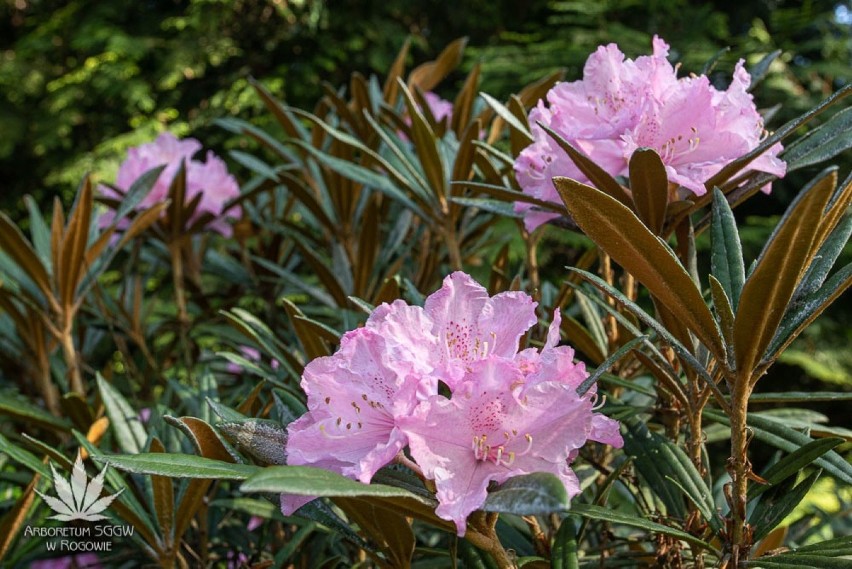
210,179
354,400
459,323
494,427
623,104
509,413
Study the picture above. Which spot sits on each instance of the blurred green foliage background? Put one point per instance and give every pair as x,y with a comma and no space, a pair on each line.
81,81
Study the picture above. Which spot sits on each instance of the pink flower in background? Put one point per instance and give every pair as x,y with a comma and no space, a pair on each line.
494,427
210,179
251,354
623,104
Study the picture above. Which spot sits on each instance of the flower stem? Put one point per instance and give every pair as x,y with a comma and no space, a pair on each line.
738,466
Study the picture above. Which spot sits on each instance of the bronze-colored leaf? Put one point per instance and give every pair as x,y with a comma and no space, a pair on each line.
142,222
463,103
250,403
191,500
164,498
579,337
427,75
768,290
74,248
425,143
391,87
311,343
723,309
203,437
95,433
617,230
463,165
518,140
13,242
324,273
390,531
650,188
13,521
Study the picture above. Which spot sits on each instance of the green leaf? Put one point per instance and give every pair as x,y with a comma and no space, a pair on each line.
22,409
759,70
726,252
609,362
178,466
564,551
138,190
780,436
40,233
497,207
659,462
507,116
793,463
805,310
650,187
825,258
786,561
616,517
129,431
528,495
822,143
310,481
796,396
771,510
617,230
830,548
24,457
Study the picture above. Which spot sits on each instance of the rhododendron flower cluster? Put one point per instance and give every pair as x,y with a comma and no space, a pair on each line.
508,413
210,179
621,105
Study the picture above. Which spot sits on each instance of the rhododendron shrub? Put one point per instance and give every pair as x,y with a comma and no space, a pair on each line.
209,181
507,412
621,105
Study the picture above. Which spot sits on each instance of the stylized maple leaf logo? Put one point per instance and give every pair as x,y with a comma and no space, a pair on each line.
78,499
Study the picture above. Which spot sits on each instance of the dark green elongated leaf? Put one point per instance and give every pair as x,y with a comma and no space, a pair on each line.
597,175
825,258
824,142
646,450
564,551
832,547
20,408
617,230
24,457
647,320
128,429
498,207
225,413
426,146
780,436
759,70
511,196
650,187
178,466
262,439
616,517
138,190
710,64
609,362
776,276
528,495
507,116
769,513
254,164
796,396
793,463
310,481
40,232
805,310
726,252
787,561
363,176
723,310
